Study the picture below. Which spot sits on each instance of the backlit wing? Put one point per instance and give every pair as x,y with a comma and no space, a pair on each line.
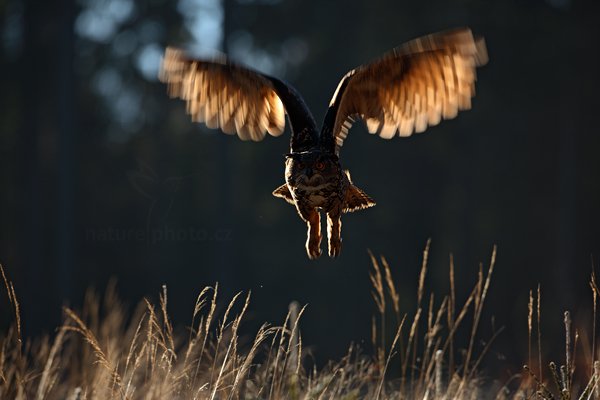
410,88
233,98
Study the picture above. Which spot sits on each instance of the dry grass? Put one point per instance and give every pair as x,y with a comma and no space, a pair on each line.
564,383
415,356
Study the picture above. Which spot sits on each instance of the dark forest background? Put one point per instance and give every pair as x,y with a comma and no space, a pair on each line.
102,176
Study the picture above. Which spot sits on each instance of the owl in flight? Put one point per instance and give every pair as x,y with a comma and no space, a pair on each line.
406,90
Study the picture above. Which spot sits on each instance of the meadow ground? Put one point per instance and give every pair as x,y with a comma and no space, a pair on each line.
102,353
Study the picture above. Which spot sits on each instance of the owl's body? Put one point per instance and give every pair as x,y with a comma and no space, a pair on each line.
413,86
315,183
313,188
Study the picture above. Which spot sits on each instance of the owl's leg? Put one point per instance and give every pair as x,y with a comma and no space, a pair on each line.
334,233
313,240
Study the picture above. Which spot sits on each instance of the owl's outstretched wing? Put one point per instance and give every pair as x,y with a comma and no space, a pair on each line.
234,98
410,88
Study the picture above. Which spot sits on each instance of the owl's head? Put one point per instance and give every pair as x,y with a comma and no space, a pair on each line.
311,167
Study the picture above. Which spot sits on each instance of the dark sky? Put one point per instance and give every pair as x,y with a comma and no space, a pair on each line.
104,177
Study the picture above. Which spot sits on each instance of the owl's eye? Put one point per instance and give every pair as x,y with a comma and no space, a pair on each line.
300,165
320,165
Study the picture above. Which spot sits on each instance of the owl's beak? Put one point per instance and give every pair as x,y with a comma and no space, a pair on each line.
309,172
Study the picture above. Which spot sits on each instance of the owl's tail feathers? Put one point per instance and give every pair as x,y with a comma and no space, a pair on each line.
356,199
284,192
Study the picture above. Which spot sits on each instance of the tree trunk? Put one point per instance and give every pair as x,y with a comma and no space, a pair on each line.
66,145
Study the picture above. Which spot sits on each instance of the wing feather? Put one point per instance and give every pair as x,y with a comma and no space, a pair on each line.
412,87
230,97
276,114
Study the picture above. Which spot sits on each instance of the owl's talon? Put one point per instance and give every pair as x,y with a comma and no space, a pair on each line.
313,249
335,248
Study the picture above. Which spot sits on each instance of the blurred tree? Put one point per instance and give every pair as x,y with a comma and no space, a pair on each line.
35,129
67,139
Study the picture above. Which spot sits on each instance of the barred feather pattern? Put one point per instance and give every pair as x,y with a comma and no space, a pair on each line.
223,95
412,87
